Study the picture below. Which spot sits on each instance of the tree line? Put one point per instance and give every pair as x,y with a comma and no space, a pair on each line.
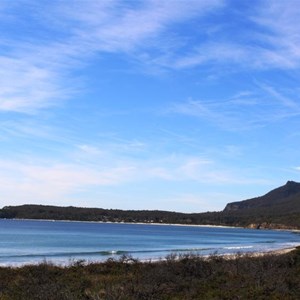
254,217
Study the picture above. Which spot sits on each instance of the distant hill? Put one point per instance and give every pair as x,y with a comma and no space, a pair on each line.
280,208
286,197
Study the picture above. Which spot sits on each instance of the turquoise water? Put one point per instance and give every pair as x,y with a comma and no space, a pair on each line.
62,242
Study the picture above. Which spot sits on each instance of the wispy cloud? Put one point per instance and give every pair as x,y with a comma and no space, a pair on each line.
280,18
118,26
37,179
215,53
272,41
173,167
36,70
243,111
26,87
223,114
54,182
283,100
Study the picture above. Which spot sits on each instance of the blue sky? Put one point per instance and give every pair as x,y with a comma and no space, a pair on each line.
173,105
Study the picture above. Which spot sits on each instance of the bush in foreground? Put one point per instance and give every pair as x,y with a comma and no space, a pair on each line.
187,277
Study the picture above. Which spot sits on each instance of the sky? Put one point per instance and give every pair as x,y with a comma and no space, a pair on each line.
175,105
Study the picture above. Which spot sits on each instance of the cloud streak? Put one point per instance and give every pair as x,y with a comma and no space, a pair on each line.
273,42
281,20
266,104
41,180
36,72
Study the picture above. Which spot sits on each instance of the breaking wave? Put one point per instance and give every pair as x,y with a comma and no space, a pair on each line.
103,253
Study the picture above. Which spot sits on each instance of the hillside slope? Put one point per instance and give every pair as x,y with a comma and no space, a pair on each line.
279,208
286,197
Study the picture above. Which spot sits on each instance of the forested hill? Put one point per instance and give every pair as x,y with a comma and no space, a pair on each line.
285,198
280,208
103,215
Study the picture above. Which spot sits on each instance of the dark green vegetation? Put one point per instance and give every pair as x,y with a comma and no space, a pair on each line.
279,208
284,198
189,277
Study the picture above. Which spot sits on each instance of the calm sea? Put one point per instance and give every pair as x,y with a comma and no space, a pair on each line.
62,242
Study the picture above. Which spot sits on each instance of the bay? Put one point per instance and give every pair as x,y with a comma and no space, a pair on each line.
61,242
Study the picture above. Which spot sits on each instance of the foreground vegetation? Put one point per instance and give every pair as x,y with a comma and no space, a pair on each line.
189,277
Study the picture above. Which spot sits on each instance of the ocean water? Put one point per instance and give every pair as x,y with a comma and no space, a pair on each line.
24,241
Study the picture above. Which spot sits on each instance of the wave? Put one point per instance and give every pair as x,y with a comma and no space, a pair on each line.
65,254
266,242
102,253
120,252
238,247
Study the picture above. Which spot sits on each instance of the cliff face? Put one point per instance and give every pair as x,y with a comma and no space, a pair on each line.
286,196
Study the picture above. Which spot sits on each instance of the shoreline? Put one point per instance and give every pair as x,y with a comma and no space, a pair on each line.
154,224
128,223
260,254
70,261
